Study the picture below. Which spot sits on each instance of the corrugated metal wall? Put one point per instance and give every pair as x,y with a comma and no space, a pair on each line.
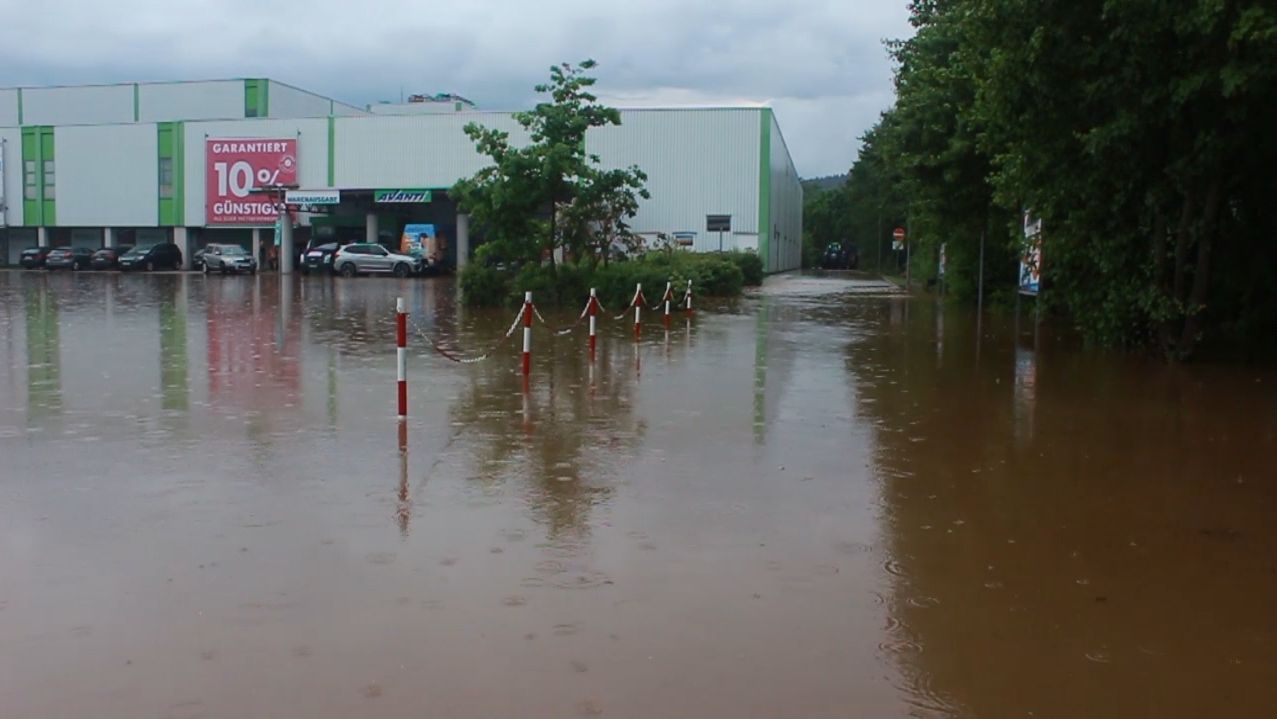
170,101
414,151
289,101
87,104
312,153
12,140
698,162
786,206
9,107
107,175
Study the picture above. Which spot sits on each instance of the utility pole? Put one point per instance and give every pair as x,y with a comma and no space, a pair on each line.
979,298
878,240
908,253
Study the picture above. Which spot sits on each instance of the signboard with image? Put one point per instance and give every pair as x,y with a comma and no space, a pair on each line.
234,167
1031,256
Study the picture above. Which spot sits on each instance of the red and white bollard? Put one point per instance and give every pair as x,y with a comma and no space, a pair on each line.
638,310
527,334
401,352
669,296
594,321
687,297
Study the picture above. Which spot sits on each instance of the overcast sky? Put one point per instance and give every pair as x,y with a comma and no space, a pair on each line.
819,63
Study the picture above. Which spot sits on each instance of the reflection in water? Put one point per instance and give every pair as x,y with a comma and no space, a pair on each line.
174,361
44,364
1081,533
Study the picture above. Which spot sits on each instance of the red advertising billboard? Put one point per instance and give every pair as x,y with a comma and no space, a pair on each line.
234,167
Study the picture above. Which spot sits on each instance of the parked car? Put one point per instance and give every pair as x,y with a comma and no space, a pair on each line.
163,256
107,258
33,257
68,258
840,257
319,257
363,257
227,259
197,259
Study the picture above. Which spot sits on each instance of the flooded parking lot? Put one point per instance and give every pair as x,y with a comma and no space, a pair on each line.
821,500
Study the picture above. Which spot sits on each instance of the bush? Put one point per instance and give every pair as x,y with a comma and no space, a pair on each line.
485,286
712,275
751,266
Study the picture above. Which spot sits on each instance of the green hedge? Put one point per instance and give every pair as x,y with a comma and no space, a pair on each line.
712,275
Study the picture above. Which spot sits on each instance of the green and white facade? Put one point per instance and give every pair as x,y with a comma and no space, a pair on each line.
120,164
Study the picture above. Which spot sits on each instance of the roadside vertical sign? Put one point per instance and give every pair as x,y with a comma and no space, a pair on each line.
1031,256
898,239
234,167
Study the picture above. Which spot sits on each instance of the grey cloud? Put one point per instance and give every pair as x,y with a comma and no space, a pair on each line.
820,63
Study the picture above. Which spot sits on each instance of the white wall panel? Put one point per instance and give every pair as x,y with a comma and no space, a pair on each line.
288,101
210,100
417,151
107,175
12,139
9,107
786,205
312,153
77,105
698,162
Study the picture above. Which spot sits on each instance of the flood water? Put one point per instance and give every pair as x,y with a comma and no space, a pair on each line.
821,500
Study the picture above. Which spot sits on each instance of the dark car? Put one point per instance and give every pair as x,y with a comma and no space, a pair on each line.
197,259
68,258
318,257
840,257
33,257
227,259
164,256
107,258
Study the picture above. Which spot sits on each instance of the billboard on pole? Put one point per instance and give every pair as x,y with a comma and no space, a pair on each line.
234,167
1031,256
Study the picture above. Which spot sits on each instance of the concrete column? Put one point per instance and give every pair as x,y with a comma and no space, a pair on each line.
108,237
463,241
257,245
286,246
370,227
42,237
182,239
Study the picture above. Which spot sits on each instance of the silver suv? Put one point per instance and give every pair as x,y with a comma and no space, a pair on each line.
228,258
371,258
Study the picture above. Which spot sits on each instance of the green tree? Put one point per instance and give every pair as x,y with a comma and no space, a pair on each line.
519,200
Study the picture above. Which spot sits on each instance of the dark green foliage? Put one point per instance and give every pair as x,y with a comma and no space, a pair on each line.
751,267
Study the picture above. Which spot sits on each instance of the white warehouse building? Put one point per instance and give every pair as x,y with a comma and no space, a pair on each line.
115,165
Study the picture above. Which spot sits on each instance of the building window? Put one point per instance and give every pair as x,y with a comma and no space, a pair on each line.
166,178
50,181
28,180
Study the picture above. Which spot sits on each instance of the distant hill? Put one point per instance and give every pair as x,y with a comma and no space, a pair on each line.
828,182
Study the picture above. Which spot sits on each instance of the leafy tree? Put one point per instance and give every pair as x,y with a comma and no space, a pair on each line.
520,201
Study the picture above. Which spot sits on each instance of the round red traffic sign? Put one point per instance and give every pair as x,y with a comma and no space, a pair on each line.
898,233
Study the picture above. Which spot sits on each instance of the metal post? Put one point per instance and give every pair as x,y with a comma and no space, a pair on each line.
286,243
594,321
878,241
527,334
669,295
979,300
688,297
908,257
638,310
401,354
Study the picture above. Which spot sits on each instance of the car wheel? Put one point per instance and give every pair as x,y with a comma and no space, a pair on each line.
348,269
402,270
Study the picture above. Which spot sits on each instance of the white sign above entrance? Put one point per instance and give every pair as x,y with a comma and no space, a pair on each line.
313,197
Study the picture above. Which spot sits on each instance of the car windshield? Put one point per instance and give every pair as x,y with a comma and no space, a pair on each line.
140,250
234,251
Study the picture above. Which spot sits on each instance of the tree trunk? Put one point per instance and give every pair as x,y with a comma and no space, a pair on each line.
1160,278
1182,240
1201,275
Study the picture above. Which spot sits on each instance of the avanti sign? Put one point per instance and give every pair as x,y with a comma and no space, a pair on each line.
401,196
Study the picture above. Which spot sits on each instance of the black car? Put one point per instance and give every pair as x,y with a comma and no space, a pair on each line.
33,257
227,259
107,258
68,258
840,257
164,256
197,259
318,257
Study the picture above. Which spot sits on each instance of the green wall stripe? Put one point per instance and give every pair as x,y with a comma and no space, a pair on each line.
263,103
31,208
137,103
19,106
765,188
179,173
332,147
48,205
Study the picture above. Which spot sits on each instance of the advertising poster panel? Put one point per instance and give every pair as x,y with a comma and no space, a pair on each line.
235,167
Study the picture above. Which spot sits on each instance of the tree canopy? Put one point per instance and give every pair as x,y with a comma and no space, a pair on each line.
1139,131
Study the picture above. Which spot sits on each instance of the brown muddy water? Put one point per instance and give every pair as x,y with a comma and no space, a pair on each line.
820,501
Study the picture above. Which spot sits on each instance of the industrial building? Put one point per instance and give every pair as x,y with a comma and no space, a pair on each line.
187,162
